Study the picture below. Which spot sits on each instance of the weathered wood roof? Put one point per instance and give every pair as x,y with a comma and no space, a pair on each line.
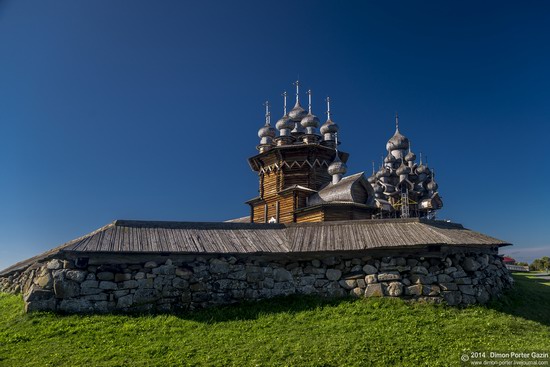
124,236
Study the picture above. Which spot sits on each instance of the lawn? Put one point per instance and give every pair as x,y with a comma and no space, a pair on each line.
292,331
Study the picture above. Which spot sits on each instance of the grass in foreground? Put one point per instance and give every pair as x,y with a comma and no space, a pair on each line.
293,331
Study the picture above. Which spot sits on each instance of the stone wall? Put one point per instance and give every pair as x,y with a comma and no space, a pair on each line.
187,283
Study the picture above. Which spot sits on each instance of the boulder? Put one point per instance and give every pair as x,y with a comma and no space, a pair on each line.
467,289
414,290
419,270
374,290
333,274
282,275
120,277
348,284
76,306
107,285
77,275
105,275
395,289
54,264
369,269
389,276
66,289
452,298
370,279
469,264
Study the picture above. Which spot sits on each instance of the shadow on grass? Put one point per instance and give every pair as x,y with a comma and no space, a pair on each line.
529,299
251,310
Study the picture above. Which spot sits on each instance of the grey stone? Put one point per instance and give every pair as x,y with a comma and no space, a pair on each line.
44,281
254,277
333,274
448,286
444,278
419,270
470,264
146,283
330,261
371,278
268,283
406,282
459,274
483,296
369,269
107,285
357,292
164,270
180,283
361,283
412,262
103,306
219,267
316,263
36,293
121,292
76,306
77,275
464,281
66,289
431,290
393,275
374,290
450,270
184,273
241,275
42,305
89,290
467,289
146,296
150,265
197,287
168,262
105,275
96,297
348,284
395,289
130,284
422,279
54,264
452,298
120,277
414,290
468,299
282,275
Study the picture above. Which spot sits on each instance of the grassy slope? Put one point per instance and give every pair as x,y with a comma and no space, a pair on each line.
289,331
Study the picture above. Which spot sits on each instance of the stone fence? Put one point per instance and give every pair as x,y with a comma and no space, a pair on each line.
174,283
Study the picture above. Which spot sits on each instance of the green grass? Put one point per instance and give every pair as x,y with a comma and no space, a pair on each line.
293,331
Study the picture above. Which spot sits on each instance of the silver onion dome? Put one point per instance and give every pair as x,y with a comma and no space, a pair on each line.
397,142
410,157
337,168
432,185
403,170
266,131
329,127
284,123
382,172
310,120
421,169
389,158
297,113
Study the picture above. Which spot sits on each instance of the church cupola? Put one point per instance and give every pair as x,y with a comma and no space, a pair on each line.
266,133
285,126
329,128
398,143
337,168
297,113
310,123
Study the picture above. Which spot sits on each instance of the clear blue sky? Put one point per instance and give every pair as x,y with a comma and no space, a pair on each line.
149,109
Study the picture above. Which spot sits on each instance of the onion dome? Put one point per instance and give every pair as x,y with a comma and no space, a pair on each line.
403,170
297,113
421,169
329,127
410,157
397,141
310,121
382,172
266,132
284,123
432,185
389,158
337,167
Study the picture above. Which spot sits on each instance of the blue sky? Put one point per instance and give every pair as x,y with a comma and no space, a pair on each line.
148,110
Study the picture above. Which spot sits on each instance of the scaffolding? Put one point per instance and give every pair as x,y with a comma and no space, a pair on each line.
404,203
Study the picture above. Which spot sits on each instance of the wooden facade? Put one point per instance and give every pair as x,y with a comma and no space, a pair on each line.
288,175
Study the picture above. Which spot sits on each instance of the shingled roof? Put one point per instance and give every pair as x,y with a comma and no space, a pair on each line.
132,237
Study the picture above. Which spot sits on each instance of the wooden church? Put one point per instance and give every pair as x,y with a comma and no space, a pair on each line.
301,175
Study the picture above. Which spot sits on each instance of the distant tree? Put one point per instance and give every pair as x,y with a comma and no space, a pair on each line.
541,264
522,264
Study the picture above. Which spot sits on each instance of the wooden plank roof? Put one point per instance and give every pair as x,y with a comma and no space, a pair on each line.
125,236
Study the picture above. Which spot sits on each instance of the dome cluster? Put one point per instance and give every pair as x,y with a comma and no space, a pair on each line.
400,175
299,126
